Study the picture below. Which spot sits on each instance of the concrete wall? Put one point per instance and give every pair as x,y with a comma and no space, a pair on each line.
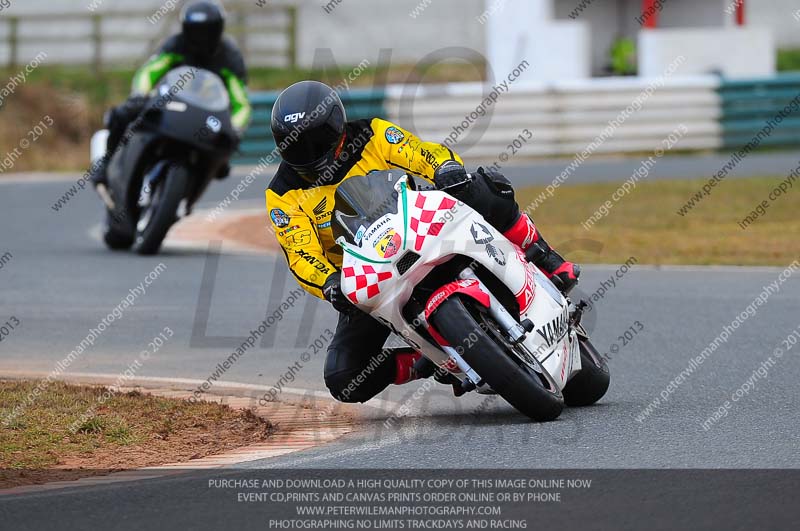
355,29
779,16
605,20
526,30
732,51
609,19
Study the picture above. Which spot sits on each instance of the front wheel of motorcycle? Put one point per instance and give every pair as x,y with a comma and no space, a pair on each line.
114,238
514,375
156,219
591,383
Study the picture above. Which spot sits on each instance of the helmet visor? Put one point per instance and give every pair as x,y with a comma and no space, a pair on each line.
305,147
203,38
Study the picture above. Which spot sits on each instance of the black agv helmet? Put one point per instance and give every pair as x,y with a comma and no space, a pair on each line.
308,121
203,23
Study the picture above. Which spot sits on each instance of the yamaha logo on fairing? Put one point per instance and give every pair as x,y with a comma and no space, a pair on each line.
292,118
555,329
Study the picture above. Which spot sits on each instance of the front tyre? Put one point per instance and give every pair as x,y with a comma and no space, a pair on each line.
466,326
158,217
113,237
591,383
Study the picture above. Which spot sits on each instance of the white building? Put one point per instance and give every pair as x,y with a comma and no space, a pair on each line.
562,39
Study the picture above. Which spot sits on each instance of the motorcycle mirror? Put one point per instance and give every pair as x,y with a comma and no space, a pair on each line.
404,181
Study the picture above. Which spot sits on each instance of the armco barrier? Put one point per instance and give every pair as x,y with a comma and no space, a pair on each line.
566,117
748,105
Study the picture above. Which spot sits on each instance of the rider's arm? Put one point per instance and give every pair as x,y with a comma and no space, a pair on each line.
154,69
240,103
235,76
298,239
406,151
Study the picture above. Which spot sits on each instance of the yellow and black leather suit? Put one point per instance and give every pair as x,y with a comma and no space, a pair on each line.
300,211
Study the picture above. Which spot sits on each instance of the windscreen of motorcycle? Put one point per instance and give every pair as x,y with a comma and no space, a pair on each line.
361,201
196,87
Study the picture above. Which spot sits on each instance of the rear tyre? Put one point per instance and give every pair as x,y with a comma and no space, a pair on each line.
155,220
591,383
465,325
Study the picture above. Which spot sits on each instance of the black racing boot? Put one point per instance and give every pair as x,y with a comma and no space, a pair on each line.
98,173
98,176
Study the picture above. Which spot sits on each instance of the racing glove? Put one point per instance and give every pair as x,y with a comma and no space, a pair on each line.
488,192
451,177
332,291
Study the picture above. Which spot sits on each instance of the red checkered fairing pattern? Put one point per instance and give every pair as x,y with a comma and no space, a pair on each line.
367,281
423,224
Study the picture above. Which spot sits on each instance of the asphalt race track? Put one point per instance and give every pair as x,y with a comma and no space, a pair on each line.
61,281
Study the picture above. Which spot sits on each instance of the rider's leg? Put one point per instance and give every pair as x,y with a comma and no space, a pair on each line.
116,120
492,195
357,366
525,234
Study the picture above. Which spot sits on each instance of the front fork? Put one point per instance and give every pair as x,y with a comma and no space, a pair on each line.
515,331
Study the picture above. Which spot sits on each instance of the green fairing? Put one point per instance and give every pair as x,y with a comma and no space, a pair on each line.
154,69
157,66
240,104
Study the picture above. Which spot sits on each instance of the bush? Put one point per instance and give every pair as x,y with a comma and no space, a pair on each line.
623,57
788,60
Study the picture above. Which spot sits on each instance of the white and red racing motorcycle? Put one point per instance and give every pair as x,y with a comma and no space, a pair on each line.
455,289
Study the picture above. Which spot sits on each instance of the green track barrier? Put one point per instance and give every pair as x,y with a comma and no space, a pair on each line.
747,105
258,141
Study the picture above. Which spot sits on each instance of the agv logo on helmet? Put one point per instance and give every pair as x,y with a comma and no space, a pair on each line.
292,118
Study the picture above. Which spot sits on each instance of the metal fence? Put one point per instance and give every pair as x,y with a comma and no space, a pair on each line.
267,35
612,115
567,117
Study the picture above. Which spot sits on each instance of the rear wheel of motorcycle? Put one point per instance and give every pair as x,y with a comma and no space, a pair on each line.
591,383
465,324
161,213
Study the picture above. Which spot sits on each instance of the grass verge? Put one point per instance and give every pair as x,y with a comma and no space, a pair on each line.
69,431
645,224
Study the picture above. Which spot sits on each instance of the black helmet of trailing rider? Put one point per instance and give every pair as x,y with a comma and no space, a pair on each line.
308,121
203,23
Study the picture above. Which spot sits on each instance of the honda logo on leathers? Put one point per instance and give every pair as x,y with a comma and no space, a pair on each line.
320,209
292,118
